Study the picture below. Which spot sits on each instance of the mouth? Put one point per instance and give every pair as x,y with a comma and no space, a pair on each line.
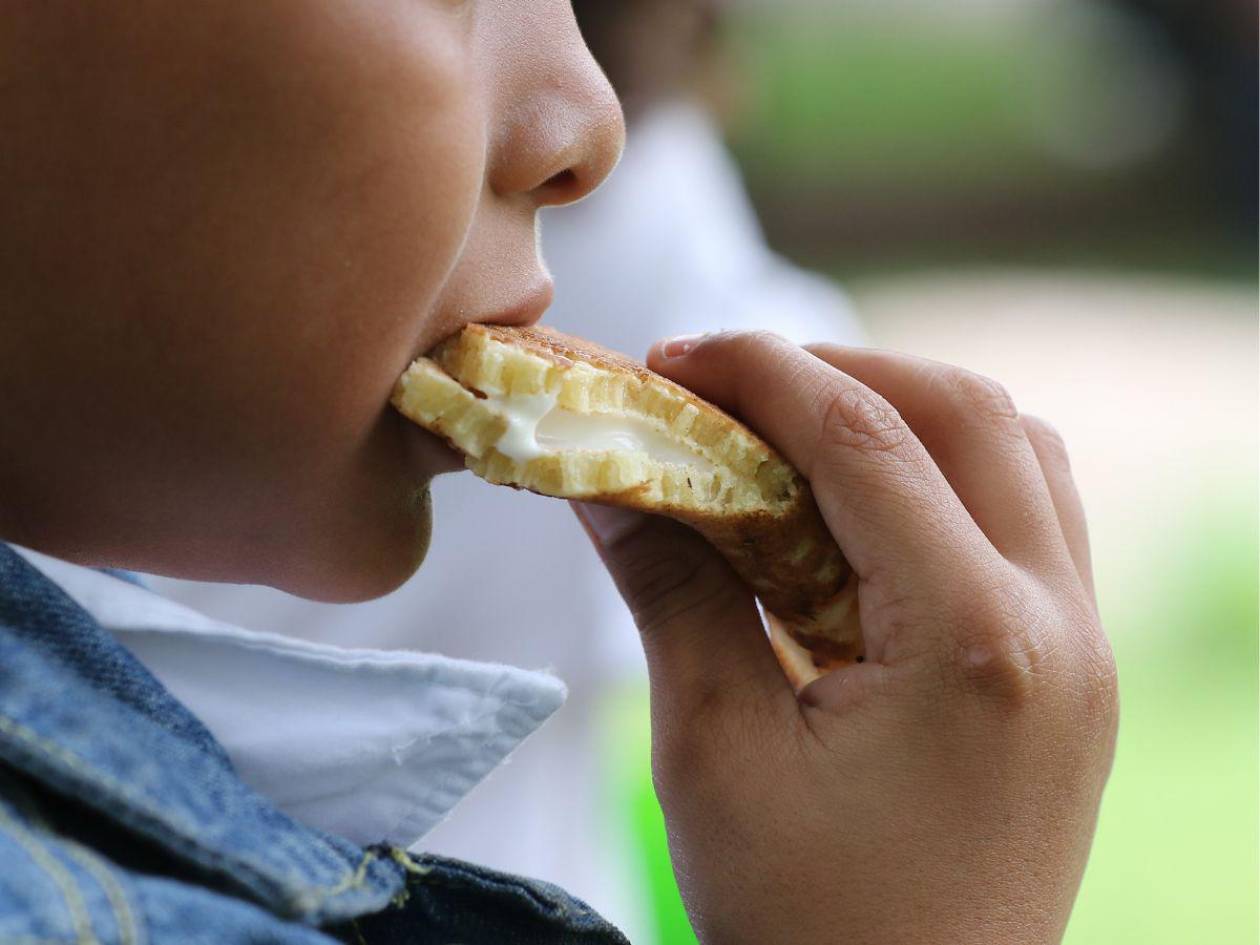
431,452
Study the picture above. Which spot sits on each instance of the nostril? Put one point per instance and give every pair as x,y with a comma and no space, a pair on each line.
562,187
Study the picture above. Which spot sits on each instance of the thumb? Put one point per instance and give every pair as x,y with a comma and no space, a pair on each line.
701,631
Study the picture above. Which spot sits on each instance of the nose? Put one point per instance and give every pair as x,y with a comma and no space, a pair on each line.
563,130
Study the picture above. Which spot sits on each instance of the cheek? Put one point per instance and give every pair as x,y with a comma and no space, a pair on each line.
381,246
338,165
375,223
383,182
260,201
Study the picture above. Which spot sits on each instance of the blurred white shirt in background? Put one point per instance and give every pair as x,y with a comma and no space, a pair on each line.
669,245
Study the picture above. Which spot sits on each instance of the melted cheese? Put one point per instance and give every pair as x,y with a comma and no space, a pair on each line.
523,414
536,426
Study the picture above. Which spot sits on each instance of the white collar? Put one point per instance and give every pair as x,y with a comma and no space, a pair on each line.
373,745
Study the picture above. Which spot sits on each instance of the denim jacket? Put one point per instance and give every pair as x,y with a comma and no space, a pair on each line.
122,821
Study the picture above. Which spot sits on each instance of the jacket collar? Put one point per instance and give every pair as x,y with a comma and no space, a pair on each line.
84,718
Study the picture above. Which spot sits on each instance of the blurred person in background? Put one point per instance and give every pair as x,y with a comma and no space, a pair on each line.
670,244
1215,45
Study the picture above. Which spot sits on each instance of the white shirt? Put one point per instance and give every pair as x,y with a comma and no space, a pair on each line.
373,745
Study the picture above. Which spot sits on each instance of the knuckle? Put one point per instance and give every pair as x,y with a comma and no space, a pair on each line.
1047,439
1001,653
762,338
994,667
1015,647
858,418
981,396
828,351
744,344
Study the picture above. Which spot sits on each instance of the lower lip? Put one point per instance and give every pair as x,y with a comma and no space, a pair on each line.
430,453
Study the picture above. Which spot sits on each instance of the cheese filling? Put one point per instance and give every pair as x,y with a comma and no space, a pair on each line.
536,427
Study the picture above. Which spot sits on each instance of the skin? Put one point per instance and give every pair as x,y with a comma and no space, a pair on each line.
228,227
944,790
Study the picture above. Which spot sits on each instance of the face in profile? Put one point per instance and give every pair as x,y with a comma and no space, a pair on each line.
236,223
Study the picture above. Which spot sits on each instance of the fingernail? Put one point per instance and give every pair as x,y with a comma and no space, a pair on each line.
680,345
608,523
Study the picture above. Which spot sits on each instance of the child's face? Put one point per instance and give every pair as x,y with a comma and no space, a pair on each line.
228,227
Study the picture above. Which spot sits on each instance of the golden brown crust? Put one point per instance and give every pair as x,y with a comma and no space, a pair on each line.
564,349
743,497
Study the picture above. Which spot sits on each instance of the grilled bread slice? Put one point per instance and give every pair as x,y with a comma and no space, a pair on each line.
536,409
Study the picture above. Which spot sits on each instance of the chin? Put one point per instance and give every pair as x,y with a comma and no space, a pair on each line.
368,564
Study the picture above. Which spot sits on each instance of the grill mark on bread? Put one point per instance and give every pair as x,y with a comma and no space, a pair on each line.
754,507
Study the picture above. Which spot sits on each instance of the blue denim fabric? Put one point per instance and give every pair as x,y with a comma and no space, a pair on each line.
122,821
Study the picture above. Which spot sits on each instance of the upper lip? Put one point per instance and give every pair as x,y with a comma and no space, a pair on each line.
525,311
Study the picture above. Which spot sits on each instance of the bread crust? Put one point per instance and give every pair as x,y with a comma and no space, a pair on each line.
743,497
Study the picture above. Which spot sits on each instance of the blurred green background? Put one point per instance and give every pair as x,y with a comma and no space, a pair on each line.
1060,194
881,136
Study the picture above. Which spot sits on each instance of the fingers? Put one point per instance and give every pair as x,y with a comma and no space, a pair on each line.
702,634
1053,457
881,494
971,428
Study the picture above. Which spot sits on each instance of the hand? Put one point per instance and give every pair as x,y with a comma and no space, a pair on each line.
946,789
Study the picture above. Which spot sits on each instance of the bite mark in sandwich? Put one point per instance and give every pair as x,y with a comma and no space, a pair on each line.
536,409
